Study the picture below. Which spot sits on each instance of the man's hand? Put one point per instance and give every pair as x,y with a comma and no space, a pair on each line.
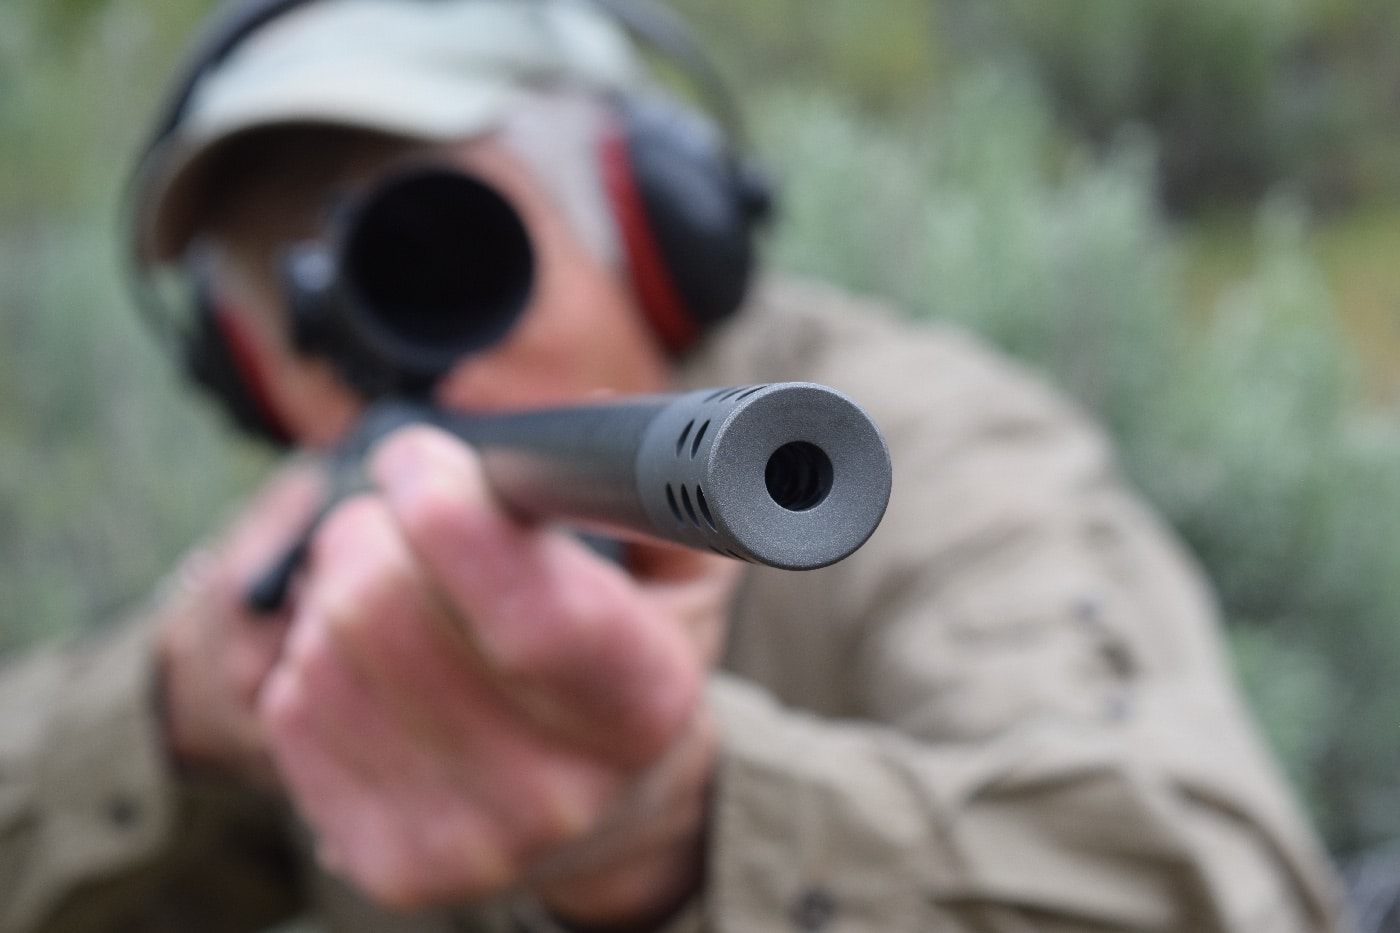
214,654
469,704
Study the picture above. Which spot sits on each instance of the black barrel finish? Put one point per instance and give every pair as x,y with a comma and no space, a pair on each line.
792,475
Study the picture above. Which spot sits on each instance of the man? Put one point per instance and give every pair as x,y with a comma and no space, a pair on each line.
1009,711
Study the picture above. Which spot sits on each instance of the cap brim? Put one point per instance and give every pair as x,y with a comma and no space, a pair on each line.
432,71
389,104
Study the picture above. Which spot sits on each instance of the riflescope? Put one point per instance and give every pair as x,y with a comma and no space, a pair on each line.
412,275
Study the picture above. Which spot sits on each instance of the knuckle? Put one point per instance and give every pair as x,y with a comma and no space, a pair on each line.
316,666
523,653
379,860
362,573
569,808
455,865
551,805
394,886
284,707
662,715
572,622
448,497
305,644
490,863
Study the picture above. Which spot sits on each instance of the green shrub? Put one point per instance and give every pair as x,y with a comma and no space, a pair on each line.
107,468
881,56
1243,96
1210,77
1288,497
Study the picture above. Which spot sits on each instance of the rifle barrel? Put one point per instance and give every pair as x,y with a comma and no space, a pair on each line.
791,475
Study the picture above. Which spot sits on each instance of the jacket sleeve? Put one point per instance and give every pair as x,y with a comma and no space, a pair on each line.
1014,762
97,833
824,824
1010,711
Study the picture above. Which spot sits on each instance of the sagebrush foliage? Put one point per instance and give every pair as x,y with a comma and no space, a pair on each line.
1242,95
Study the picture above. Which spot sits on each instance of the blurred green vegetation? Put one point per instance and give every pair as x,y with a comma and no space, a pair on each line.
1241,96
107,468
1184,211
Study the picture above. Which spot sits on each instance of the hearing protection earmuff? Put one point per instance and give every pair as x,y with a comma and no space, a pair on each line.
686,202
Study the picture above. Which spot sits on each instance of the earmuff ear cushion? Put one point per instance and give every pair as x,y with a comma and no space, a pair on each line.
217,359
699,218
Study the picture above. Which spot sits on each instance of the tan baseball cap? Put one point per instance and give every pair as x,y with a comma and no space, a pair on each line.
424,69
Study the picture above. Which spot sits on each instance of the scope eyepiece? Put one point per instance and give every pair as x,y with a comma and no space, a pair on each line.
428,266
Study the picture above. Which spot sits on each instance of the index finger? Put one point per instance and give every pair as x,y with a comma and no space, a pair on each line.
566,633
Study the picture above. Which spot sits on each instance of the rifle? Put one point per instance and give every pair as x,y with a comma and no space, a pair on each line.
790,475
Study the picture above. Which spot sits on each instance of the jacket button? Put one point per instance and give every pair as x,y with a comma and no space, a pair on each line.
813,910
123,811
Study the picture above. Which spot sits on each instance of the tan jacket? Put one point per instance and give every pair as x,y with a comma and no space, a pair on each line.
1009,712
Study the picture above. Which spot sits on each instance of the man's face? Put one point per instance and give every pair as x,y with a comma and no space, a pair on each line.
580,336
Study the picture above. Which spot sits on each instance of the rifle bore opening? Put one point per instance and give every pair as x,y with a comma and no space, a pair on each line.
798,476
